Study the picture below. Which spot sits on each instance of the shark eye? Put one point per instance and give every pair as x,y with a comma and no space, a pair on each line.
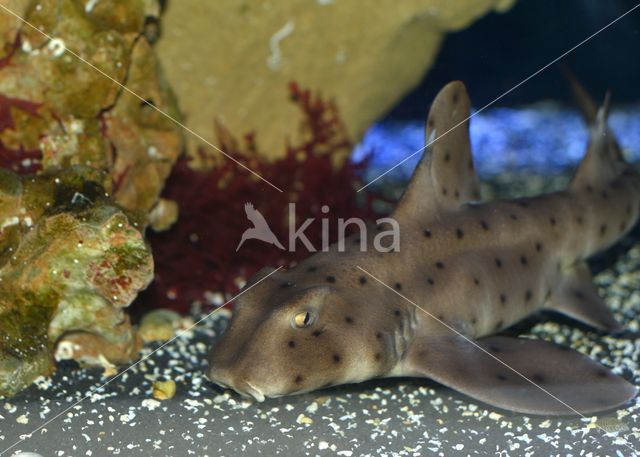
304,319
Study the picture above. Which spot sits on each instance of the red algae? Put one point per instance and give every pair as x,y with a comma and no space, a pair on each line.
20,159
198,255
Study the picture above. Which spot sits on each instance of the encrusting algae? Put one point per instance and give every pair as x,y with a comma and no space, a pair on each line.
70,262
82,164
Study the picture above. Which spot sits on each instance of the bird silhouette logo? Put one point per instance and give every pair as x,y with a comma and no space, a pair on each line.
260,230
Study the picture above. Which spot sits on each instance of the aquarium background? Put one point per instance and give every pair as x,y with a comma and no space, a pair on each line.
536,127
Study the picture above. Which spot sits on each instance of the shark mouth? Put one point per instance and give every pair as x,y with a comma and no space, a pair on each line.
252,391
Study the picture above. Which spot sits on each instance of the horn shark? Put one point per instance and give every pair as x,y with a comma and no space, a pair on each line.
474,268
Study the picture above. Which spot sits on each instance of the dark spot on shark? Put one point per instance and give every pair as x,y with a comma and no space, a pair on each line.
362,280
501,377
348,319
455,97
623,225
378,335
589,189
377,356
459,233
286,285
444,191
603,229
440,317
578,294
538,378
430,123
498,263
336,358
456,194
503,298
317,333
602,373
397,313
579,220
513,216
291,344
484,225
439,265
538,246
311,269
524,261
523,204
528,295
447,157
427,233
331,279
499,325
474,320
604,195
476,281
470,165
627,209
494,348
298,379
398,286
552,221
430,281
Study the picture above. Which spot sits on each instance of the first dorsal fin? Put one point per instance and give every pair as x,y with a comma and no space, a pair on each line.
445,178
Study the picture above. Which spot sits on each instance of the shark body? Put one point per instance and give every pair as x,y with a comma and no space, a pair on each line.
465,270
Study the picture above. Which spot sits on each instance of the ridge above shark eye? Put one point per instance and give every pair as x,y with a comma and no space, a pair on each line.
303,319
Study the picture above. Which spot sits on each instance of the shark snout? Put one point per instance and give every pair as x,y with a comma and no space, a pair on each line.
224,378
229,376
219,376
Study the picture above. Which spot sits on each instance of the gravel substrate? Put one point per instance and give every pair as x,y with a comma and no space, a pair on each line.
405,417
390,417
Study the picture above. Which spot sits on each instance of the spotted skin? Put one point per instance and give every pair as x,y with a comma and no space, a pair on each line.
464,270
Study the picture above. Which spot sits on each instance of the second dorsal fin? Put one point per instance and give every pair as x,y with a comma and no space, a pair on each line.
445,178
603,160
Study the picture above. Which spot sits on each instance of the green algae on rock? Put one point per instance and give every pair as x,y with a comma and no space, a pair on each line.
70,262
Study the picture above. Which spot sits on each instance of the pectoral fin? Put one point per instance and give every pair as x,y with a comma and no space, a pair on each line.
548,379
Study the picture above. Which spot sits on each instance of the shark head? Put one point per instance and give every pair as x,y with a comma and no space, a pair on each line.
287,337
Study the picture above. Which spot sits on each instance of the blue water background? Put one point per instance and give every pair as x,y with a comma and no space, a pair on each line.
544,139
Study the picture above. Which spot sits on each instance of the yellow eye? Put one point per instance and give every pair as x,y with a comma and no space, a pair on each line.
302,319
